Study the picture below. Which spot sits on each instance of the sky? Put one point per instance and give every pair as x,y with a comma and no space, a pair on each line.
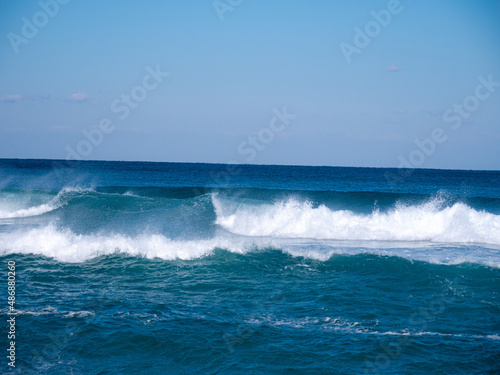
339,83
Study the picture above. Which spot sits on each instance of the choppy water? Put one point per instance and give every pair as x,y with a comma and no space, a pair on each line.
161,268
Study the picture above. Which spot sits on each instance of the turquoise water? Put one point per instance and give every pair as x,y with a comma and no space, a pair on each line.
163,268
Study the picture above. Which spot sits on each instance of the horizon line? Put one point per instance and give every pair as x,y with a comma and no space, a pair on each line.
247,164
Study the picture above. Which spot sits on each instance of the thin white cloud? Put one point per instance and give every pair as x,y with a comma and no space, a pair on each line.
375,137
40,97
11,98
78,97
61,127
433,113
393,68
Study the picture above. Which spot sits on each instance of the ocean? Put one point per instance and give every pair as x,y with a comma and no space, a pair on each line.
180,268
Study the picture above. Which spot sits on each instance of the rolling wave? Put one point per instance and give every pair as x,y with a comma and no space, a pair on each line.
66,246
56,202
177,224
430,221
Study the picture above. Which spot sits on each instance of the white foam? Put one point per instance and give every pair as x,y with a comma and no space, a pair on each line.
56,202
32,211
67,246
426,222
49,310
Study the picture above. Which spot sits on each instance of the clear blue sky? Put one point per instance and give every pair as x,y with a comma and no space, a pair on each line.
230,67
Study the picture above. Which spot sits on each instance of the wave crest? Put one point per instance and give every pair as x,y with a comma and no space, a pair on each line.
56,202
431,221
67,246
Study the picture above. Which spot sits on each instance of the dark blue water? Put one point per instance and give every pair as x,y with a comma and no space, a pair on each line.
170,268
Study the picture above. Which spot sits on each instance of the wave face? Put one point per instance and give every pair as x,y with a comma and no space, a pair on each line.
20,204
175,214
209,269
